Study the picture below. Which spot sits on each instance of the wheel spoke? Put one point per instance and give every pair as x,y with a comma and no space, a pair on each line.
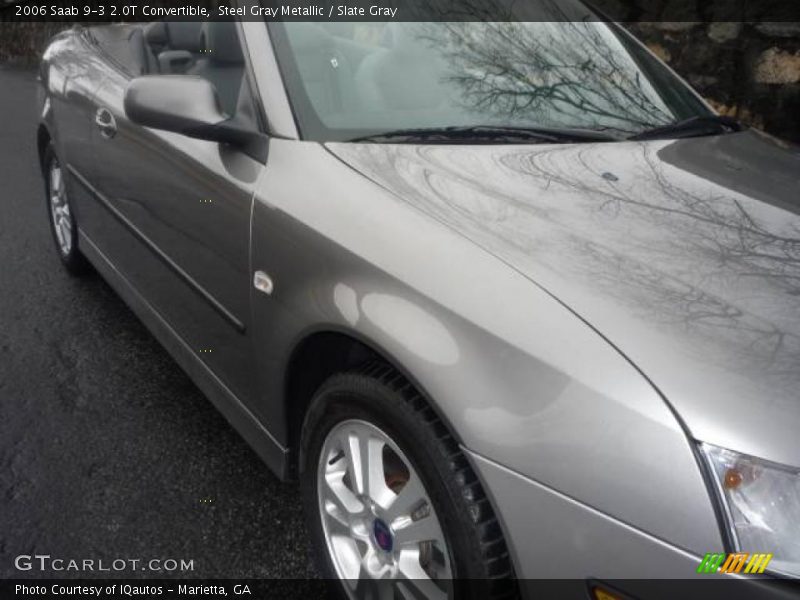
338,493
66,235
364,455
356,462
377,489
349,557
55,179
426,529
338,527
414,581
59,234
409,498
374,567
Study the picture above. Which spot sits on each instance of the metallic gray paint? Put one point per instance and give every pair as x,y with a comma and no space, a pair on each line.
594,544
531,299
515,373
594,541
192,199
688,260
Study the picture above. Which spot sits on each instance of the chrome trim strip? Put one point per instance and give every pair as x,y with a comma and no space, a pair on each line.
237,323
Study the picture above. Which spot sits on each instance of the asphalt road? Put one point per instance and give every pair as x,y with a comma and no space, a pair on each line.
107,449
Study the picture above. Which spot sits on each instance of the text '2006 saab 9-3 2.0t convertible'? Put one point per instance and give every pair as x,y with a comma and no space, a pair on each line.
508,298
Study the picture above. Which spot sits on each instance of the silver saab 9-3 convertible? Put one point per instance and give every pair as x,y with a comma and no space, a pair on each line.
508,298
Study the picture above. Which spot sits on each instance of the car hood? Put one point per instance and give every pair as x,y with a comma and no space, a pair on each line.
685,255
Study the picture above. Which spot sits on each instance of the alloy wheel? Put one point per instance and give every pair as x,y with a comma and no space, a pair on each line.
59,209
383,534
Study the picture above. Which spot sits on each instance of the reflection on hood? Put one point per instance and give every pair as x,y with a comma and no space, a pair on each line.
685,255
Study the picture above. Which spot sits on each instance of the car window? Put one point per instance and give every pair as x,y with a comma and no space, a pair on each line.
211,50
123,46
361,78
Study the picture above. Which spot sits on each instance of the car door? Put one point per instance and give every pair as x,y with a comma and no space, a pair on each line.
70,84
173,213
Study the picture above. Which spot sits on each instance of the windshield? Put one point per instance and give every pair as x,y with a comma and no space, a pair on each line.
350,80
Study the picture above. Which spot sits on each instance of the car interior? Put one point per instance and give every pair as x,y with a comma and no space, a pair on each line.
351,71
172,47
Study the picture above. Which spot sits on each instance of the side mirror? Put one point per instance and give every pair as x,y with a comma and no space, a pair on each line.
188,105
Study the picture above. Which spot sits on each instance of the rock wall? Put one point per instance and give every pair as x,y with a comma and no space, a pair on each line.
746,70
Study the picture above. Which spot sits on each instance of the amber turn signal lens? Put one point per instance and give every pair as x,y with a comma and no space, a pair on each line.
733,479
601,594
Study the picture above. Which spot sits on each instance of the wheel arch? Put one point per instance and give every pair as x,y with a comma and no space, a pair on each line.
323,352
43,139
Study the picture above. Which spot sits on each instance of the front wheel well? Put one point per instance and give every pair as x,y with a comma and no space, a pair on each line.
317,358
43,139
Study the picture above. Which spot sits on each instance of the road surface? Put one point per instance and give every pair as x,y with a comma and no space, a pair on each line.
107,449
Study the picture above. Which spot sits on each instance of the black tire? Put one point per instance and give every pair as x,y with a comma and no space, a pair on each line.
74,262
379,395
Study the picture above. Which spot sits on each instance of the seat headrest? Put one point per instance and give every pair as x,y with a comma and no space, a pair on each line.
156,34
185,36
222,43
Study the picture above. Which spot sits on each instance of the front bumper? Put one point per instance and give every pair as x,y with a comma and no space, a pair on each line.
554,537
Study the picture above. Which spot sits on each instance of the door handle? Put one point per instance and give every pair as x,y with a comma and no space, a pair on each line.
106,123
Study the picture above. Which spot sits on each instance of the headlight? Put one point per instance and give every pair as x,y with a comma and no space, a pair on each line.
763,505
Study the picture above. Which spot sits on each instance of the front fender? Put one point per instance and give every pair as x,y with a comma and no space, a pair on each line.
521,380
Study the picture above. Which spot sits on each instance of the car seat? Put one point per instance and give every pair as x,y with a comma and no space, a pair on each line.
222,63
142,53
176,44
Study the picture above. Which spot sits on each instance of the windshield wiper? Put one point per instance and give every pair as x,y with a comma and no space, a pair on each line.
484,133
694,127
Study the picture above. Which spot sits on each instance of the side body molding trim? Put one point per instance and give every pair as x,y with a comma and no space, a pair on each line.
226,314
237,414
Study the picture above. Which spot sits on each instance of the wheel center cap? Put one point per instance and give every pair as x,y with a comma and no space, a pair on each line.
382,535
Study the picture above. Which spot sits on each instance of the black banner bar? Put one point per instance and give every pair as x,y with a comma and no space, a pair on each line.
712,588
630,11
